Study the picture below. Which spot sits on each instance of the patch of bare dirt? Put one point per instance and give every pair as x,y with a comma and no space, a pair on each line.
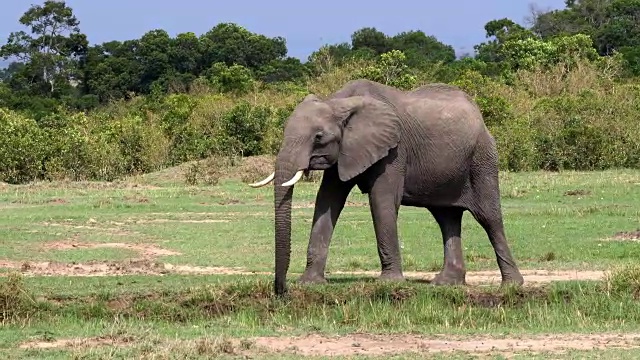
380,345
484,277
627,235
376,345
137,198
312,204
577,192
145,250
93,268
147,266
78,342
116,268
57,201
91,226
211,270
162,221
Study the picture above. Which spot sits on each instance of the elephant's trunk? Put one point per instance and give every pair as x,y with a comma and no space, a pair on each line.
286,169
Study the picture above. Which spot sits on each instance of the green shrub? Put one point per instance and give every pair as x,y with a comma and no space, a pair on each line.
142,144
235,79
191,142
23,146
177,109
275,129
390,69
584,132
243,128
495,108
69,153
516,142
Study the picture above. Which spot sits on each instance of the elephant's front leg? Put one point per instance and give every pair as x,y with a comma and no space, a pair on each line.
330,201
384,202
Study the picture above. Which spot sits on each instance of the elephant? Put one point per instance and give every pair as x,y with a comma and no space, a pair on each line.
428,147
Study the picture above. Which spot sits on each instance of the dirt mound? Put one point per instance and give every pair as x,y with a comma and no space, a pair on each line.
249,169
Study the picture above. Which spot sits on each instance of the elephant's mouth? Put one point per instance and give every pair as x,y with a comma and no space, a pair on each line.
316,162
320,162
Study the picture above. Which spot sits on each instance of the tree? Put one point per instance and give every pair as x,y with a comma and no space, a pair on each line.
13,68
232,44
112,70
421,49
372,39
499,32
153,52
50,53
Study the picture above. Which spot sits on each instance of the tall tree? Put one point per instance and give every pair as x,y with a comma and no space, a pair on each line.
13,68
372,39
498,32
51,50
233,44
421,49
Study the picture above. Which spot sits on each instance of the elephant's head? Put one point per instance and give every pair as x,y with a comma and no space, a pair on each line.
352,133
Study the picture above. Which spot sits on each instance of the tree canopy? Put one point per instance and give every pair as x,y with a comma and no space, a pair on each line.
55,65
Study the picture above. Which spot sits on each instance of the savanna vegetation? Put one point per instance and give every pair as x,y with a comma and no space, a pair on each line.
128,230
559,94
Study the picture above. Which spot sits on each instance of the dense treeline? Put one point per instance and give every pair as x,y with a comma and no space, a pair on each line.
560,94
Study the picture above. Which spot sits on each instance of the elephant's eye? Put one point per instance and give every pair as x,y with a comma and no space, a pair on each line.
318,136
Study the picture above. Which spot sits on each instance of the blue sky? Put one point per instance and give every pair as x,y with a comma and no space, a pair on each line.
306,25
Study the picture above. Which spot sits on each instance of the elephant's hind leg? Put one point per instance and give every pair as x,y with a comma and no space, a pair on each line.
486,209
490,219
450,221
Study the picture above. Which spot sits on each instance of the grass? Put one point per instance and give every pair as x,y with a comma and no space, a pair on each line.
553,221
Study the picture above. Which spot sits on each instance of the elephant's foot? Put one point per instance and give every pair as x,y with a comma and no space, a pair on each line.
450,276
309,277
514,278
391,275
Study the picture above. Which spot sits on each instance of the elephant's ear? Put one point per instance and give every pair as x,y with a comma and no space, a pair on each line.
370,131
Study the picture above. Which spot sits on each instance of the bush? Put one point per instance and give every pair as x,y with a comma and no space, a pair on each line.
235,79
142,145
69,153
390,69
584,132
243,128
495,108
23,146
572,113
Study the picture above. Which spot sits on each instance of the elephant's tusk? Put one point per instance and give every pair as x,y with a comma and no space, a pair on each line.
294,179
264,182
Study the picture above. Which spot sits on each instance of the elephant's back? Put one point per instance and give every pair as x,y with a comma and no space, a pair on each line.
442,130
444,111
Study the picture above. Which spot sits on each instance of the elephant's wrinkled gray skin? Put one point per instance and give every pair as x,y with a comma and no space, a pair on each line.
425,148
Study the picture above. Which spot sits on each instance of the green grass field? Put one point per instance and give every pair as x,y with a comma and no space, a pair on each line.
152,268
